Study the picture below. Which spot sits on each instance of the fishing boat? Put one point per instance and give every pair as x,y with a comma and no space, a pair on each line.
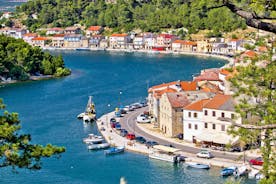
228,171
90,112
164,153
93,139
98,146
114,150
197,165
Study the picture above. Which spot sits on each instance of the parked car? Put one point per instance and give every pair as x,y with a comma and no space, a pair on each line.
235,149
257,161
151,143
112,120
113,125
180,136
170,145
205,154
140,139
130,136
123,132
142,119
118,126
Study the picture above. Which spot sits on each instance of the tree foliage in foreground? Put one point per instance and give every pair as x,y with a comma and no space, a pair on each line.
19,60
16,150
257,106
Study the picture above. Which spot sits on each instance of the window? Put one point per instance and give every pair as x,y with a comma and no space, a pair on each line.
214,126
222,114
206,113
195,115
232,116
190,125
222,127
189,114
206,125
214,113
195,127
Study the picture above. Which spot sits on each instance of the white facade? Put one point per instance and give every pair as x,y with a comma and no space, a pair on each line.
192,124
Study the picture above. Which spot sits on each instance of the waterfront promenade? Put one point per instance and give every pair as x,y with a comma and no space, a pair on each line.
222,159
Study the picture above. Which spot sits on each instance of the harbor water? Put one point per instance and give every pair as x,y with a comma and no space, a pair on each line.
48,111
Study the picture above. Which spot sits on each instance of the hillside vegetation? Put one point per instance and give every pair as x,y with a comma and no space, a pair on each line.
19,60
127,15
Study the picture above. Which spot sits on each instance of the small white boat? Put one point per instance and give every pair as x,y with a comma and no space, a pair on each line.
164,153
241,171
197,165
98,146
252,174
259,176
93,139
90,113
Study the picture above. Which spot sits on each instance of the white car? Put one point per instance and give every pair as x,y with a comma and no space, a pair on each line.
205,154
142,119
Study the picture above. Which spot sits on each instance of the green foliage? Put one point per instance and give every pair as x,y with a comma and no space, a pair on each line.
127,15
15,149
19,60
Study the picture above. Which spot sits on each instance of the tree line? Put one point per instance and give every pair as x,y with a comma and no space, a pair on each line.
19,60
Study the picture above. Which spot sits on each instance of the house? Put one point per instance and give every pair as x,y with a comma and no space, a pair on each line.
55,30
165,40
73,41
94,41
6,15
234,44
220,48
149,40
94,30
207,120
58,41
204,46
138,42
184,46
211,75
16,32
104,43
171,110
40,41
72,30
29,36
119,41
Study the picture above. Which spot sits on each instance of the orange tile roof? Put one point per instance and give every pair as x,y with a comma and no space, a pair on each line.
30,35
184,42
40,39
59,35
250,53
208,76
94,28
197,106
224,72
188,85
119,35
162,85
159,93
218,101
262,49
55,29
178,100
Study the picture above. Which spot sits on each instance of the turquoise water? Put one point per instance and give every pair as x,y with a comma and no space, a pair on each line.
48,112
8,5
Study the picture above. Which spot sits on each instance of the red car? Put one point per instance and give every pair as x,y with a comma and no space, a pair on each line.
130,136
257,161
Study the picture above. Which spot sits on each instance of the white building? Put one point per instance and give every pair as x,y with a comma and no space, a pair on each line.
119,41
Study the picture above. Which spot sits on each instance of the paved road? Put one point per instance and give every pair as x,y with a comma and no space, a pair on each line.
128,122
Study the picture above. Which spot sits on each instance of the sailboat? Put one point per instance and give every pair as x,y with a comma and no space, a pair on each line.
89,114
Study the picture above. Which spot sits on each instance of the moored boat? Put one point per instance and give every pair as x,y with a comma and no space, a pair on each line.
98,146
90,112
241,171
252,174
114,150
94,139
198,165
228,171
164,153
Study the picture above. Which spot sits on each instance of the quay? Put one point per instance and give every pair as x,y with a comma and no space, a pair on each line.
222,159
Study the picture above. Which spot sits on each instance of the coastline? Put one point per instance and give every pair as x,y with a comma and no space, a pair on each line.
32,78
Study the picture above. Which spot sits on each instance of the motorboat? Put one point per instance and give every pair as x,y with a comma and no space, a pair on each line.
241,171
114,150
90,112
198,165
98,146
259,176
252,174
93,139
164,153
228,171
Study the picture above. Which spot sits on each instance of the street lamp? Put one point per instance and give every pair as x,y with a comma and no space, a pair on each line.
108,105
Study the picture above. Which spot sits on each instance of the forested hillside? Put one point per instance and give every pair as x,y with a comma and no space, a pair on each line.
19,60
127,15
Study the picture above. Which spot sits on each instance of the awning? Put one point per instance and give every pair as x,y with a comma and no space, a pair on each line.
165,148
219,138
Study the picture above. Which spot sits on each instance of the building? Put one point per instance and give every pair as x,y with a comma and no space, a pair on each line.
94,30
204,46
138,42
94,41
220,48
119,41
104,43
234,44
72,30
165,40
13,32
58,41
207,120
149,40
55,30
29,36
75,41
40,41
184,46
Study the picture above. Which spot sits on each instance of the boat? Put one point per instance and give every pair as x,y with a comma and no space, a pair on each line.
114,150
90,112
94,139
98,146
228,171
82,49
259,176
241,171
164,153
253,173
198,165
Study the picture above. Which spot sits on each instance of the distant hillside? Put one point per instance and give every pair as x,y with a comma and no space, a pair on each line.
132,14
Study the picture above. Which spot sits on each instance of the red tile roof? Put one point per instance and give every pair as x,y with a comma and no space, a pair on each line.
250,53
184,42
178,100
162,86
40,39
94,28
30,35
166,36
224,72
208,76
188,85
159,93
55,29
218,101
59,35
119,35
197,106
